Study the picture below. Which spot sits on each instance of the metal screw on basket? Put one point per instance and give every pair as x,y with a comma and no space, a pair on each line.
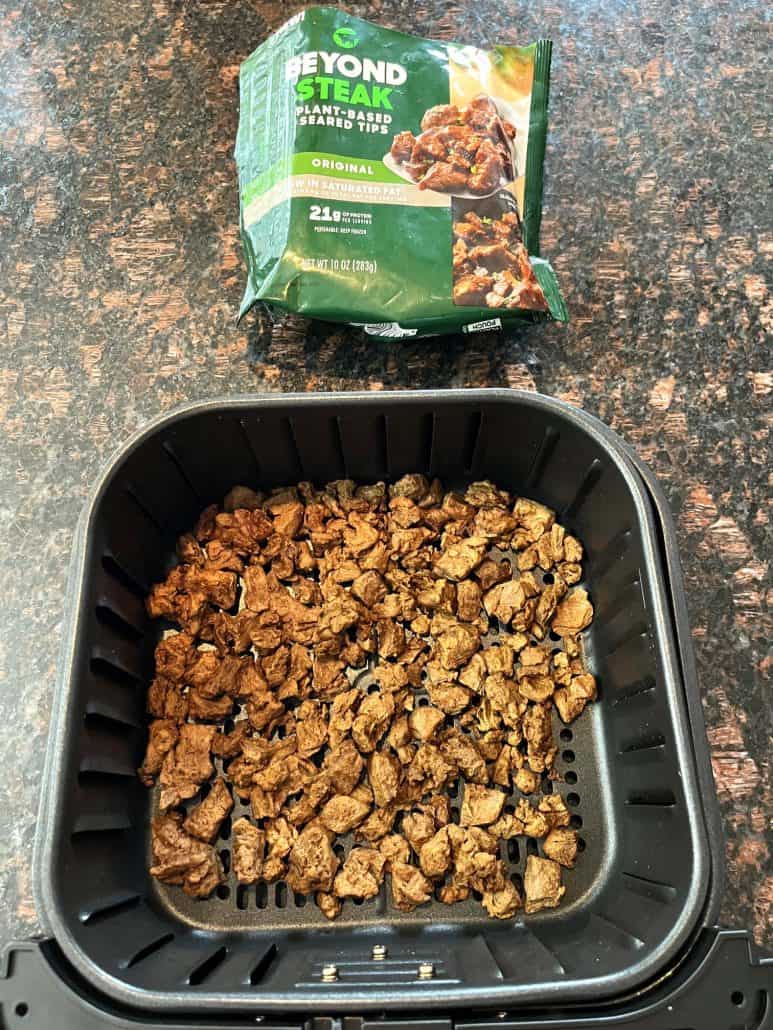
329,973
426,970
379,952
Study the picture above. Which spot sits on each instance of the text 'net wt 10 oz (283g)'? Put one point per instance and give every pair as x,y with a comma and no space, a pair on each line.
393,182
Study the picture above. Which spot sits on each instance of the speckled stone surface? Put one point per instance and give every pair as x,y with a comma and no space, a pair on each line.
120,276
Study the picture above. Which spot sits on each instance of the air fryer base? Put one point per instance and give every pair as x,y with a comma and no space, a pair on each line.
726,984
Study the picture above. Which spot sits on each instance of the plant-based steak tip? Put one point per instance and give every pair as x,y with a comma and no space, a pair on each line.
491,265
350,655
467,149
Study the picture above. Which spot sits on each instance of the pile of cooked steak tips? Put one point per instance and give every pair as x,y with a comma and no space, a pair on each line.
491,264
459,150
349,657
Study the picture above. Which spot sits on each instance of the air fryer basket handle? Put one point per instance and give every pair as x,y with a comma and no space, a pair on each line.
725,985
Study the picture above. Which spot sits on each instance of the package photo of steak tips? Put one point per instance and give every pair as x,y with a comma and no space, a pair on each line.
393,182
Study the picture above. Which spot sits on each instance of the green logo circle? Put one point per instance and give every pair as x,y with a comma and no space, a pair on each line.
345,38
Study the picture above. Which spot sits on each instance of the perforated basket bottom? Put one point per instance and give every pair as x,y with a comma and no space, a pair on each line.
236,906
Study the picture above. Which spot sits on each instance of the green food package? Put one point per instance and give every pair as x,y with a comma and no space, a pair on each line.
393,182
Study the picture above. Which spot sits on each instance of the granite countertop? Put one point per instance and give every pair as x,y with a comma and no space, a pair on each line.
120,276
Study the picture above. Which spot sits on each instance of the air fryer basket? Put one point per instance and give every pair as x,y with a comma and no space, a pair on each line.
639,891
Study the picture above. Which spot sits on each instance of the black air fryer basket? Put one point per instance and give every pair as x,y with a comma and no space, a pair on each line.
639,906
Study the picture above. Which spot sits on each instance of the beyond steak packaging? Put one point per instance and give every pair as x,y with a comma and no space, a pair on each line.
393,182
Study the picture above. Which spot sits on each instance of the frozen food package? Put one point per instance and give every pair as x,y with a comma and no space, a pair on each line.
393,182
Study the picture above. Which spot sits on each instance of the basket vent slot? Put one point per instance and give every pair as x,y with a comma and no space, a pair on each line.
382,446
110,821
472,440
102,667
145,511
636,632
318,449
150,949
127,581
653,890
291,449
90,774
170,452
634,691
620,935
628,594
611,553
110,723
110,618
260,969
112,908
647,743
296,451
364,446
427,434
409,444
558,964
338,446
542,457
589,481
248,446
207,967
653,799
